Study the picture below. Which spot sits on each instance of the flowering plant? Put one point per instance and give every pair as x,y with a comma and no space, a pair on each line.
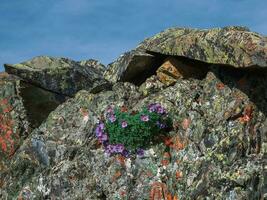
125,133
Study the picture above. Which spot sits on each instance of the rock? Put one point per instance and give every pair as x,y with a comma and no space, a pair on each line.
130,65
235,46
58,151
151,85
61,75
173,69
23,107
95,64
230,46
216,148
14,126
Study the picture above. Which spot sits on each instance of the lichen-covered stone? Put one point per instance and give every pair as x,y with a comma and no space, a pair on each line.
234,46
61,75
66,137
216,149
14,126
174,68
130,65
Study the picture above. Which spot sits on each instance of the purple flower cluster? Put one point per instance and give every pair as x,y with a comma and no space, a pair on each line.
103,138
100,133
156,107
118,148
110,115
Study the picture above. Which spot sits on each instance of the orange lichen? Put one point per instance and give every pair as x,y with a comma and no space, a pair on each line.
220,86
123,193
168,141
247,116
120,159
178,144
166,155
158,191
6,130
178,174
174,142
124,109
116,175
165,162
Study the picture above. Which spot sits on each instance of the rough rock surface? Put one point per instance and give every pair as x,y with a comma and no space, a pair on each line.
217,148
235,46
14,126
173,69
23,107
130,65
61,75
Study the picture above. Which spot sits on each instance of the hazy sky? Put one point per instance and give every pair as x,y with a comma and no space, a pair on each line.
104,29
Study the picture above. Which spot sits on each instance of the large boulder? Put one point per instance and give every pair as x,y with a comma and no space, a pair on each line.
61,75
23,107
217,148
130,65
235,46
230,46
14,126
63,149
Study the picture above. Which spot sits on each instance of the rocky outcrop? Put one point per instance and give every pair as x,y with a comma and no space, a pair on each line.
14,126
235,46
129,66
61,75
215,149
230,46
23,107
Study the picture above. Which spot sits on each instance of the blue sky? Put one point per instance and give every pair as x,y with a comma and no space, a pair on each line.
104,29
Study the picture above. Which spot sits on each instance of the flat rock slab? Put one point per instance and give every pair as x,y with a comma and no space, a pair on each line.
61,75
235,46
230,46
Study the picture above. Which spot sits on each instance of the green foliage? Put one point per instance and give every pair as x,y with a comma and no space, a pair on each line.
140,128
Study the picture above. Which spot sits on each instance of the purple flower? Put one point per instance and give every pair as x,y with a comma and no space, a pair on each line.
110,110
144,118
140,152
98,131
103,137
112,118
119,148
109,149
156,107
125,153
124,124
152,108
101,126
160,125
160,110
